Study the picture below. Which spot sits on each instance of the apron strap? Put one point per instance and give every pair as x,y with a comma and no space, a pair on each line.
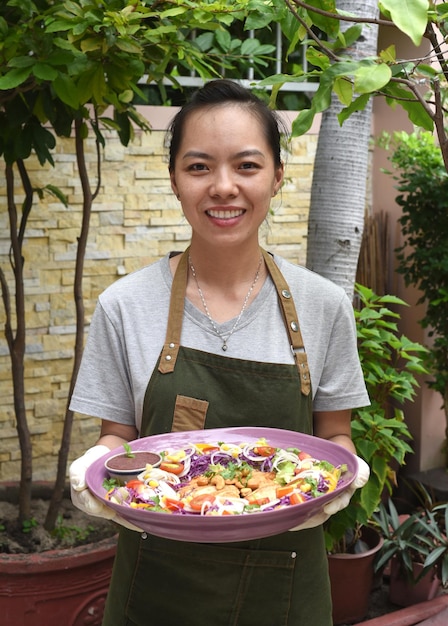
171,346
291,322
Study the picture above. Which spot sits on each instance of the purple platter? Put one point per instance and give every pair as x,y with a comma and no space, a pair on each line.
203,529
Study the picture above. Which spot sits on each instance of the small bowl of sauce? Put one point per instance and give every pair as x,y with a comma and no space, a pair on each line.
127,466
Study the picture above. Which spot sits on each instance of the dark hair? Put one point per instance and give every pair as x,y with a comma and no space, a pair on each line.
216,93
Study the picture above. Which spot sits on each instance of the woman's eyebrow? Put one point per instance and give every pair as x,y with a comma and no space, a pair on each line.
197,154
251,152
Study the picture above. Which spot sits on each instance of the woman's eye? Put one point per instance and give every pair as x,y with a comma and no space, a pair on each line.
197,167
248,166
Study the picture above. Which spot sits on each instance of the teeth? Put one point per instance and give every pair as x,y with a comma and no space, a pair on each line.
225,214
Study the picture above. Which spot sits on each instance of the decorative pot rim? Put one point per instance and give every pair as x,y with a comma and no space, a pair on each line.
58,559
372,534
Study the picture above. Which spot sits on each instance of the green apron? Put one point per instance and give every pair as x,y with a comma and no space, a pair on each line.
275,581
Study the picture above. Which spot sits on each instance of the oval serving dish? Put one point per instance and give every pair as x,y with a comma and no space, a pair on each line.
227,528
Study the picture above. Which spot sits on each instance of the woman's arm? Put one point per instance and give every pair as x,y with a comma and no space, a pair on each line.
114,435
335,426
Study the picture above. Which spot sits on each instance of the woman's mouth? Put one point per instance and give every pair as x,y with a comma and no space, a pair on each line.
225,215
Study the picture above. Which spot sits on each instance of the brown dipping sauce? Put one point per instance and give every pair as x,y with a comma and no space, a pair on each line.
139,460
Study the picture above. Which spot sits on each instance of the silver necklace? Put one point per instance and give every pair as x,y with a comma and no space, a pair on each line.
223,338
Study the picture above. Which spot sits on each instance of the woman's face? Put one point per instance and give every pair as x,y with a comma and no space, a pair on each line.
224,174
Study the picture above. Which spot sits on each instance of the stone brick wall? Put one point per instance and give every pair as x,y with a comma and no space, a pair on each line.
136,220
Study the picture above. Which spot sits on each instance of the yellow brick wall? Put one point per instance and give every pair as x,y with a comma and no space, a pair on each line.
135,220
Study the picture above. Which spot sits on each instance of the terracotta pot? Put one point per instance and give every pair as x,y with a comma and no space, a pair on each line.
404,592
57,587
351,578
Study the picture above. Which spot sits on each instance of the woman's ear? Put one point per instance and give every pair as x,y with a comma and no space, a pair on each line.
173,185
279,174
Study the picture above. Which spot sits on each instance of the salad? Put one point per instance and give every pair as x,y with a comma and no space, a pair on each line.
227,479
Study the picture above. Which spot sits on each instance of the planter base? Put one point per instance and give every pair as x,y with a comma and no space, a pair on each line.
403,592
57,587
351,577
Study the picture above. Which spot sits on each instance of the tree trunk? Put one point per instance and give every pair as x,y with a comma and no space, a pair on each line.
17,340
58,490
339,188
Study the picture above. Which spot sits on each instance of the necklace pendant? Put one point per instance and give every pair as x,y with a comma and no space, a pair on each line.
224,346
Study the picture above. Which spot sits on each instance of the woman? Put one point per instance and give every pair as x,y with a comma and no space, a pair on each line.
211,338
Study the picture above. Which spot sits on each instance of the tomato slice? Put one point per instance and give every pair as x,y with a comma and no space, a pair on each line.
264,450
304,455
197,501
172,504
172,466
134,484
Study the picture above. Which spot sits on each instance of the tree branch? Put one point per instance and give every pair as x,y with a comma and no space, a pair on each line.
343,18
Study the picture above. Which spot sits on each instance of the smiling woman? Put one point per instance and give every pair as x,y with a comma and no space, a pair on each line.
224,334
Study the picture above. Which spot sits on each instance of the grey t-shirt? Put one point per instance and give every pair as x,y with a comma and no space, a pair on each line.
129,325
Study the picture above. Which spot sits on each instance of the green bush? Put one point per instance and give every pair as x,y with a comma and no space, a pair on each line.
381,437
423,257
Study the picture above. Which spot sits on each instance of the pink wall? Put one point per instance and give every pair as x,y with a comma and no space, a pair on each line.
425,417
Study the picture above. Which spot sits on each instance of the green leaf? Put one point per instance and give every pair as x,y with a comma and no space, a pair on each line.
303,122
343,88
415,110
249,47
60,195
14,78
317,58
44,71
66,90
224,39
358,104
388,55
328,25
372,77
127,45
410,16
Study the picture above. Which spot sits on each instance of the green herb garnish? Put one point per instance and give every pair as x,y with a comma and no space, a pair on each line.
127,449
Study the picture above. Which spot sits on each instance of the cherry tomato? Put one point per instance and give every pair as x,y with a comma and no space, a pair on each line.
172,466
304,455
197,501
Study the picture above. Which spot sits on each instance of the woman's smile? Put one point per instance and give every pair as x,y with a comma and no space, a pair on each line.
225,214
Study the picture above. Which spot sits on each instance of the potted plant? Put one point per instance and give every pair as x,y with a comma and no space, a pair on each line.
381,437
67,68
416,546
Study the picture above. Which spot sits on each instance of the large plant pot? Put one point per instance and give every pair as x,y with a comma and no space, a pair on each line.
59,587
351,578
404,592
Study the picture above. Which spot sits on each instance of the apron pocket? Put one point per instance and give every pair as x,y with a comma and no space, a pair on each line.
189,414
237,586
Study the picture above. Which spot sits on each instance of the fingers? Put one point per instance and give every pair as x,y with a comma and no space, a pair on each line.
78,468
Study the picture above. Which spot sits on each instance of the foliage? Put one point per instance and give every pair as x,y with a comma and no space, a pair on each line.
417,538
66,67
422,182
416,84
389,362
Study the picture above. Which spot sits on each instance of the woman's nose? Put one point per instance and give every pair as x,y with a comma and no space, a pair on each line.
223,184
